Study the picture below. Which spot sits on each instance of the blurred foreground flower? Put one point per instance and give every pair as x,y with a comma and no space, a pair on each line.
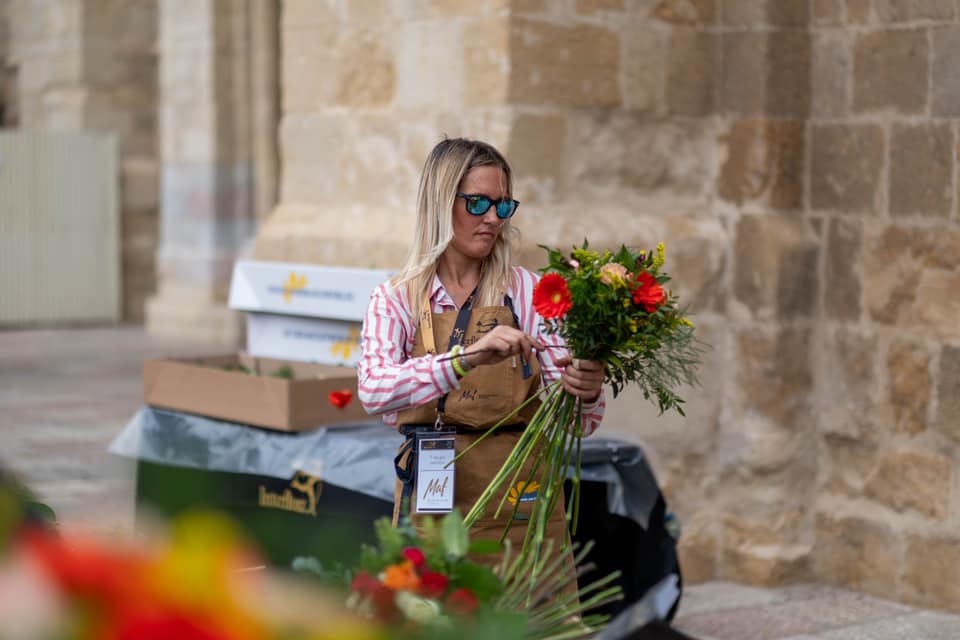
202,583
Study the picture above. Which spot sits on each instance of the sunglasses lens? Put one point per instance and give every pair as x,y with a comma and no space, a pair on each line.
478,205
505,208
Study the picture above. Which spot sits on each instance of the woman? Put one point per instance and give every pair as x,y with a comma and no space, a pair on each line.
453,338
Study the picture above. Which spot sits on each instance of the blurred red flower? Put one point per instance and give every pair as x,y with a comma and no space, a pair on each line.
462,602
415,556
432,584
340,398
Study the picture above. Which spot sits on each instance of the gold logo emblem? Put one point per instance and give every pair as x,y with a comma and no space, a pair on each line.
293,283
523,492
308,487
343,348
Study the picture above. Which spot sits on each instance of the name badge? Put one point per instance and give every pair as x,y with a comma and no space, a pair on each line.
435,473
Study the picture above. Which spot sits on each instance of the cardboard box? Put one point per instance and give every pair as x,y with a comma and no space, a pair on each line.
334,293
334,342
217,387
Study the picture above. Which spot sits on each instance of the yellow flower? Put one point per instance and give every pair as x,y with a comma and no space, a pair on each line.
686,322
585,256
659,259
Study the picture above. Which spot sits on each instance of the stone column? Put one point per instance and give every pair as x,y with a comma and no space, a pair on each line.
207,184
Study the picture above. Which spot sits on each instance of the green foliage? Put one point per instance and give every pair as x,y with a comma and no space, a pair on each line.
285,372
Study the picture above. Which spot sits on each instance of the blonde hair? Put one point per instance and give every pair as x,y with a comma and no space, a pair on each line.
443,172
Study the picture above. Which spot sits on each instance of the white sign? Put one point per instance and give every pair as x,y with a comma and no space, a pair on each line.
335,342
336,293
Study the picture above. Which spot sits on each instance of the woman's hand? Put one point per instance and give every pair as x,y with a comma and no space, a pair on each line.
501,343
582,378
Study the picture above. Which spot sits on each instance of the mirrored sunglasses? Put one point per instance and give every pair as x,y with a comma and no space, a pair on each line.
478,205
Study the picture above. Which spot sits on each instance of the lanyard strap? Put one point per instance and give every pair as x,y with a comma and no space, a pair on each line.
456,336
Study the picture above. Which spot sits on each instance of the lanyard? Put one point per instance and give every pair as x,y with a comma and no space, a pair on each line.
456,336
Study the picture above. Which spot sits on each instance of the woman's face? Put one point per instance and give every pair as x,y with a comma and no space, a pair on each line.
474,236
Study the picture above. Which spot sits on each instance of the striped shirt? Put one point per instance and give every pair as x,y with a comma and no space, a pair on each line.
389,380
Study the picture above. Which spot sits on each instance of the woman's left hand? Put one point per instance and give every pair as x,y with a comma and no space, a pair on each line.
582,378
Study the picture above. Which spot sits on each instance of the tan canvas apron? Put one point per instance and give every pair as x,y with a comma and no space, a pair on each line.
486,395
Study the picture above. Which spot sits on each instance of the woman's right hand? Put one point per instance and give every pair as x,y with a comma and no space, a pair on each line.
501,343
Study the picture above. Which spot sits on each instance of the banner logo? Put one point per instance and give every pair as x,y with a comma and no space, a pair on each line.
300,497
294,283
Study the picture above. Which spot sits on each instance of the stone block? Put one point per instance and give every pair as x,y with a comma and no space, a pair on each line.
910,276
743,73
487,62
303,87
776,367
849,385
857,553
831,73
842,295
827,13
909,385
622,150
537,151
367,73
766,73
847,163
859,12
697,259
688,12
890,71
373,166
945,82
892,11
930,566
921,170
593,7
690,74
574,65
758,553
754,13
948,392
765,161
139,184
449,9
775,273
644,61
851,461
913,481
425,79
698,547
307,14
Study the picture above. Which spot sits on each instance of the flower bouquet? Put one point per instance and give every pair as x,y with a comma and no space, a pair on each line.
611,308
421,582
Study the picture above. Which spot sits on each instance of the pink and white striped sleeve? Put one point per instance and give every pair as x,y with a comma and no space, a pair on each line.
388,379
533,324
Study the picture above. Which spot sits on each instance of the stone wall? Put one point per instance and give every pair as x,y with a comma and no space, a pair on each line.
92,65
798,158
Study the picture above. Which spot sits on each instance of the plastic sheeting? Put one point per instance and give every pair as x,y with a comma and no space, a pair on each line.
358,457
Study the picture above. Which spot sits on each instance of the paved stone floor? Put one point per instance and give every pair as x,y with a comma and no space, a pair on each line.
65,394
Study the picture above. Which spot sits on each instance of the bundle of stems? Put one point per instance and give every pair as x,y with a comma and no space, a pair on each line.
546,450
537,585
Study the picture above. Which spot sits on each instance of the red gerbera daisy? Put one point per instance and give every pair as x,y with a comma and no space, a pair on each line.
551,296
648,293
